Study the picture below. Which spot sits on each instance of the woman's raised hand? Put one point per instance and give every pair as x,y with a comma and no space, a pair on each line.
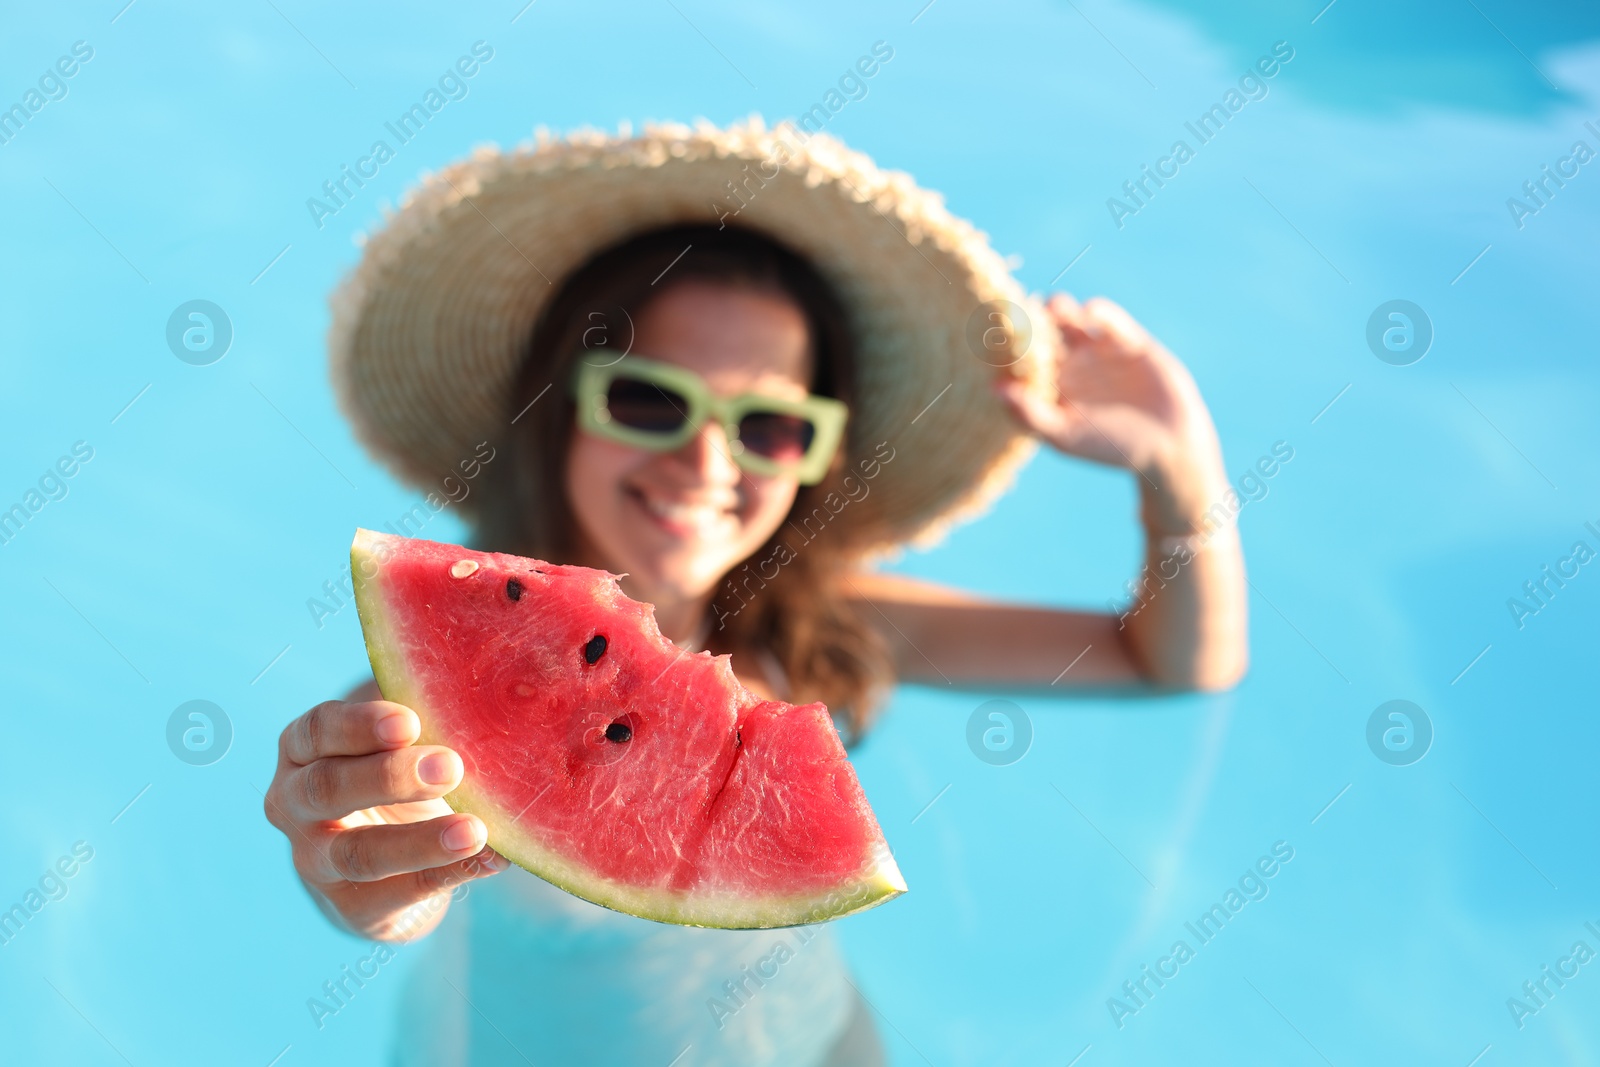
359,801
1124,400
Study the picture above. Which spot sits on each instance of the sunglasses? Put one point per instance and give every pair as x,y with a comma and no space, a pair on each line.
661,406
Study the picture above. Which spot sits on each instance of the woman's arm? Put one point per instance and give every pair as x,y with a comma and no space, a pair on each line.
1124,400
943,636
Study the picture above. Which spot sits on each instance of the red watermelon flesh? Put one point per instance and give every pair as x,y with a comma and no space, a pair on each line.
625,770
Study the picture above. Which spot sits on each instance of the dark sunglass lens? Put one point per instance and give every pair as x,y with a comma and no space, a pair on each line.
645,406
785,438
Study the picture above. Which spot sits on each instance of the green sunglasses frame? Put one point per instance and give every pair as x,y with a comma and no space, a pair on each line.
592,383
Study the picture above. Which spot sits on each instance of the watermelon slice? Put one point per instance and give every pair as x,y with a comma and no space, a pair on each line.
605,759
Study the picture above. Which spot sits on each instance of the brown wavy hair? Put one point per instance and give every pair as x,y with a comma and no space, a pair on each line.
796,614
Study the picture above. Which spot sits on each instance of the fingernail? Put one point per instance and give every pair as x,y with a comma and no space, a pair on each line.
439,768
396,728
464,836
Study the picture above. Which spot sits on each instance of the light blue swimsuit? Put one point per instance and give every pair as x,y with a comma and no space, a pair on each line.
521,972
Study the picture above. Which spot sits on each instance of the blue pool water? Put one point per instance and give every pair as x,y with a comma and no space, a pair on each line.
1375,165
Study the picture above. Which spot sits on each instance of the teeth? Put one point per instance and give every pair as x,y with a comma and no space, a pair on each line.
691,514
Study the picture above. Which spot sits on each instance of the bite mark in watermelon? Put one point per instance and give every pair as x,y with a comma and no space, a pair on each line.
605,759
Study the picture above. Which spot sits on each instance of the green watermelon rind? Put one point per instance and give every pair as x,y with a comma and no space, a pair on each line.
726,912
879,881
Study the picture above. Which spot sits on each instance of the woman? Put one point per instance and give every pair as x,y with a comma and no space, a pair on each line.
515,296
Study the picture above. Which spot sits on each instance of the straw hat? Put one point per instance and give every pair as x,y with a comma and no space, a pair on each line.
429,328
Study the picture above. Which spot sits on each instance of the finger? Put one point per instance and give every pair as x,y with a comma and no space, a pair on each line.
1063,304
1107,317
1079,332
334,787
1045,419
373,853
406,903
483,864
1066,311
1067,427
337,728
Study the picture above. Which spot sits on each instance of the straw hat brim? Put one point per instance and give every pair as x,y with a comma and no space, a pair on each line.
428,330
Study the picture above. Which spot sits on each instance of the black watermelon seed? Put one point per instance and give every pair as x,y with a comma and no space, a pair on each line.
619,732
513,589
594,649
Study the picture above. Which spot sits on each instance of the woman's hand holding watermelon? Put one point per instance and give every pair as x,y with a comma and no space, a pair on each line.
360,803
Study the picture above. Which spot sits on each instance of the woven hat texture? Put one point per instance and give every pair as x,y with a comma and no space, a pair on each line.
430,327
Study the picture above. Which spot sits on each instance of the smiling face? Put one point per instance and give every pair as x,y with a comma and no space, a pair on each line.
676,522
